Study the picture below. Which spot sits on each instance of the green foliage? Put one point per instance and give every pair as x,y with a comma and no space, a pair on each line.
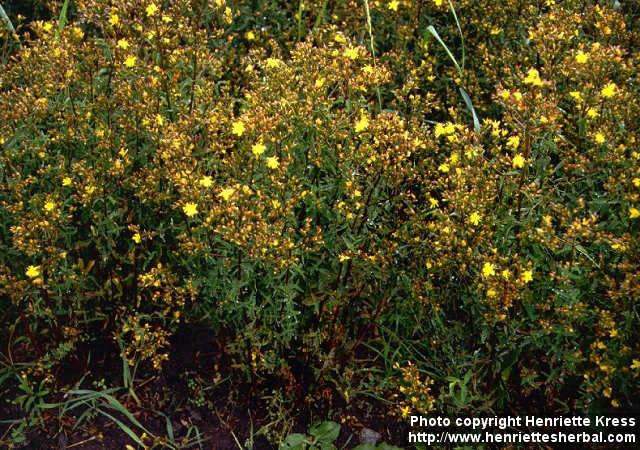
430,204
321,436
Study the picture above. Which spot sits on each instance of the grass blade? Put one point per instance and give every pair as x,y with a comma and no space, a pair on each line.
119,407
62,19
435,34
472,110
455,16
465,96
123,427
5,17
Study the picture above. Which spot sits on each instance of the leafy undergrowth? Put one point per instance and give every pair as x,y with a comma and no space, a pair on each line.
202,406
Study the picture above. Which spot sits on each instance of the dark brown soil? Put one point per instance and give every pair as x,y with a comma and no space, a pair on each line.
233,411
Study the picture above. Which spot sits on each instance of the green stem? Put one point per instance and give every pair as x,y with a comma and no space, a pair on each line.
372,47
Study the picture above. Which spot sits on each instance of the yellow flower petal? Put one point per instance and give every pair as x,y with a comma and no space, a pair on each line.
33,271
518,161
258,149
361,124
190,209
272,162
238,128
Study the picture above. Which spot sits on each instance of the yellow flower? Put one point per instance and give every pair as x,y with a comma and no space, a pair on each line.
33,271
492,293
405,410
48,27
513,142
506,274
272,63
343,257
190,209
433,202
609,90
351,53
527,276
488,270
206,181
474,218
250,35
592,113
393,5
272,162
136,238
151,10
599,138
576,95
114,20
66,181
228,15
130,61
77,33
49,206
634,213
238,128
226,194
635,364
636,182
438,2
258,149
443,168
123,44
444,129
533,77
319,83
582,57
362,124
518,161
620,247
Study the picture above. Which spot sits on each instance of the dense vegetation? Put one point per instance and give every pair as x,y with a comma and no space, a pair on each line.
353,210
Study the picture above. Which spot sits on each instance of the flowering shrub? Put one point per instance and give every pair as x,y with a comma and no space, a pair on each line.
307,181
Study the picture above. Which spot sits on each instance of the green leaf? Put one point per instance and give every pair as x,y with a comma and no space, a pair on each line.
385,446
295,441
325,432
